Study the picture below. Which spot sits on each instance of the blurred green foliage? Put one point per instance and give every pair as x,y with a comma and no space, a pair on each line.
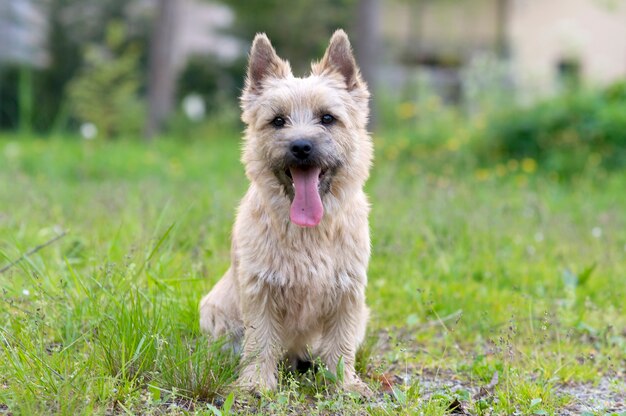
220,82
71,25
104,83
106,90
299,29
565,133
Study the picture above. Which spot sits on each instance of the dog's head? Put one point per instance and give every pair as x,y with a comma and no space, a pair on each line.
306,138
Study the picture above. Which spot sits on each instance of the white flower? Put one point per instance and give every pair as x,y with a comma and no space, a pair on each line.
89,131
193,106
596,232
25,292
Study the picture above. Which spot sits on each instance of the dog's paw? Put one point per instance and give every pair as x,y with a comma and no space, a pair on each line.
255,384
359,387
212,320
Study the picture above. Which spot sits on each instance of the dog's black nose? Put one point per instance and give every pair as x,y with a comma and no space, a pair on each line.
301,148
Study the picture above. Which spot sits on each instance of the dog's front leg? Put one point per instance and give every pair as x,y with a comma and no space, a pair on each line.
343,333
262,346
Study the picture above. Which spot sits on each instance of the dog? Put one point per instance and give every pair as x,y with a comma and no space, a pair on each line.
300,244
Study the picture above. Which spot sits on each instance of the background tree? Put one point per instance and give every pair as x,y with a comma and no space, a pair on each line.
105,92
71,26
299,30
367,43
301,33
161,69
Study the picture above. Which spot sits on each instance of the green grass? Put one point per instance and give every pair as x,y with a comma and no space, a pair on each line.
472,273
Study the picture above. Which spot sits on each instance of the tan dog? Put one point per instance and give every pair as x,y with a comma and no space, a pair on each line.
300,243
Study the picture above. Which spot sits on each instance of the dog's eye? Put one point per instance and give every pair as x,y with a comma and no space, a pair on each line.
278,122
327,119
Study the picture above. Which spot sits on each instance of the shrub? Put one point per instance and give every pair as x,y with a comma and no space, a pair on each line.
565,134
105,92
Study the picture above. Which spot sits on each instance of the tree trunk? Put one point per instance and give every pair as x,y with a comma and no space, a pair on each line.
368,47
502,20
161,69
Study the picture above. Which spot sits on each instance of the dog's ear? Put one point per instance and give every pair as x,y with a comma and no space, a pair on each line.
264,63
339,57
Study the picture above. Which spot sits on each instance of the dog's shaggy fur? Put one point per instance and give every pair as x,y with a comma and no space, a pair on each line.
295,290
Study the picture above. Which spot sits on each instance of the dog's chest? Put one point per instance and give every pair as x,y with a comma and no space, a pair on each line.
304,271
315,263
303,310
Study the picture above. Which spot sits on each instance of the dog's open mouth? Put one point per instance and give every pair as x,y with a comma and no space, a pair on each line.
306,208
320,177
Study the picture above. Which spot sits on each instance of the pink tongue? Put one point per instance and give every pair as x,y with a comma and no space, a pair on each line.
306,208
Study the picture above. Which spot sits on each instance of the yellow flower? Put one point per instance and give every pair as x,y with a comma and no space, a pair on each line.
453,144
406,110
482,174
393,153
480,122
529,165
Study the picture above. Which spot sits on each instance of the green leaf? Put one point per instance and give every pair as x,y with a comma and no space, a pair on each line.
399,395
586,274
155,391
463,394
228,403
214,409
329,375
340,370
413,393
412,319
483,404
